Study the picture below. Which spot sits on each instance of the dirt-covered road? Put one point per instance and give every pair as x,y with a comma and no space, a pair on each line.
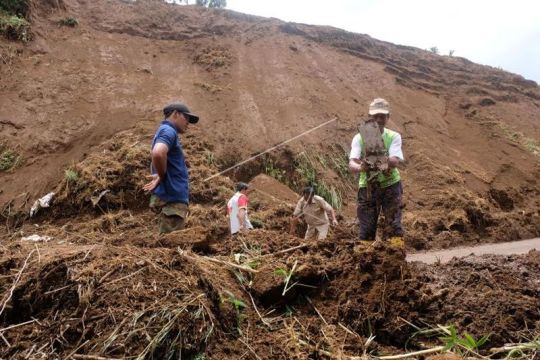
507,248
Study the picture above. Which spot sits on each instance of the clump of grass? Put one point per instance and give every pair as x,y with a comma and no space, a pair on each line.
9,158
306,170
14,7
238,306
330,193
71,175
308,173
257,223
210,158
339,161
14,27
287,275
462,344
69,21
529,144
271,169
532,146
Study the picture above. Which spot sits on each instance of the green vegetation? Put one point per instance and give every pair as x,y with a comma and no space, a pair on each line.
531,145
305,167
274,171
257,223
69,21
238,306
464,344
519,138
9,159
339,160
451,53
210,158
14,7
287,275
521,351
434,49
71,175
13,24
331,194
14,27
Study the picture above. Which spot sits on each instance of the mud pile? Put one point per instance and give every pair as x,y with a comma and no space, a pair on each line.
127,300
102,283
233,69
105,284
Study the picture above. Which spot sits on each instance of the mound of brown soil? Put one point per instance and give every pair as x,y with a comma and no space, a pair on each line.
103,283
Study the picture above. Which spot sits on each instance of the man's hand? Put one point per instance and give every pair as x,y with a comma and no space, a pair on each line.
357,165
335,222
152,184
393,162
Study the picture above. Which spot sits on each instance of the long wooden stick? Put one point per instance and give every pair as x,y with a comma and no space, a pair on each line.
416,353
92,357
257,311
16,325
217,261
240,267
124,277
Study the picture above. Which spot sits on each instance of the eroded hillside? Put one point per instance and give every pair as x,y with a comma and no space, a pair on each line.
79,106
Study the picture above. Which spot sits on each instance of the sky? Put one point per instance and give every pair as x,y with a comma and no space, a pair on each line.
503,34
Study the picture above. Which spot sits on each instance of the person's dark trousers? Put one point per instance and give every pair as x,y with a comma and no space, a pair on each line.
389,200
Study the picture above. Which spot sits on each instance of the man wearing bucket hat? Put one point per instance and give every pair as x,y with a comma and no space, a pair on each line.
387,192
170,179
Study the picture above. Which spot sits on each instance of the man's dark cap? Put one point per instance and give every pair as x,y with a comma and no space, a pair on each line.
181,108
309,190
241,186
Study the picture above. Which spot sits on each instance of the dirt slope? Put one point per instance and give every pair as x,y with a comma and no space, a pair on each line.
469,131
102,283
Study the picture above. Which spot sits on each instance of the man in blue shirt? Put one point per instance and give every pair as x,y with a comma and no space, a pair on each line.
170,178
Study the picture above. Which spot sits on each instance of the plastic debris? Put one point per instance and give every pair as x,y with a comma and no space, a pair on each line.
95,199
36,238
44,202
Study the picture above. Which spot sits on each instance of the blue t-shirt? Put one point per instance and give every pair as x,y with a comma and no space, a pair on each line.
175,187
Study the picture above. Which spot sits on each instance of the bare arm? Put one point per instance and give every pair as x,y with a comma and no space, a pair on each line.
242,217
159,159
333,214
159,163
355,165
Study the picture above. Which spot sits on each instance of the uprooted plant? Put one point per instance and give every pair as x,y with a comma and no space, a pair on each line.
463,345
238,306
9,159
287,276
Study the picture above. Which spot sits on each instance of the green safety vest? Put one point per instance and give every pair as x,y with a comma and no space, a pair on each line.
383,180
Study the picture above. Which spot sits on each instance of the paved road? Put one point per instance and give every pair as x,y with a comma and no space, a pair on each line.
508,248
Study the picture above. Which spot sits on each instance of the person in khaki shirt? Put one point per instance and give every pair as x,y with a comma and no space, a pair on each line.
315,211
